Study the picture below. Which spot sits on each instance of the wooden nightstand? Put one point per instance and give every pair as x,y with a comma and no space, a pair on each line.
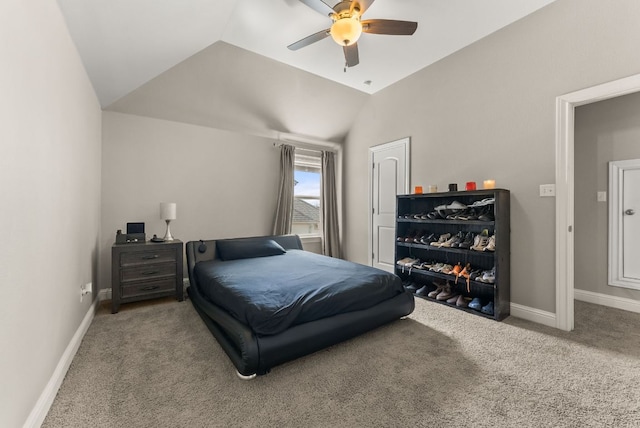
145,270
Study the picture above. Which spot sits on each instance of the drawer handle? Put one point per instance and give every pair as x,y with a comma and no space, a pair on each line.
152,287
152,272
155,256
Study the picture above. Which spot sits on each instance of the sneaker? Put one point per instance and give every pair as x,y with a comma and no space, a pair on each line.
481,241
443,238
467,241
488,276
491,245
453,241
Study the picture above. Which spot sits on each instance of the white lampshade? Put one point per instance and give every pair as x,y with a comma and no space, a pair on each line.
167,210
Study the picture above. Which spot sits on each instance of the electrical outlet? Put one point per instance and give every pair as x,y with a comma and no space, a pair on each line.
547,190
602,196
85,289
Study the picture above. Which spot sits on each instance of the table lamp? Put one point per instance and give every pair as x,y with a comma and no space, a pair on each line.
168,213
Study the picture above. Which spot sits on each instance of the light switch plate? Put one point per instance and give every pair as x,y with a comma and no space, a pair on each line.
547,190
602,196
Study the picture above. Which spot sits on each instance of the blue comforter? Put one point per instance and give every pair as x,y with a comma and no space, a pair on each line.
270,294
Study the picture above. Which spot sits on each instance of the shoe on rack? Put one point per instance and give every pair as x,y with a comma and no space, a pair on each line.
443,238
463,301
445,293
466,243
475,304
428,239
453,241
456,270
488,276
423,291
491,245
453,299
413,287
483,202
488,308
487,214
481,241
434,293
460,237
468,214
465,272
446,269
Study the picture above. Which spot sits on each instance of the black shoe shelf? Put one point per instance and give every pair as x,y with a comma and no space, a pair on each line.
407,226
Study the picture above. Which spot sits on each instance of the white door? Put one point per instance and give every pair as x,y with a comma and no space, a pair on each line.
631,224
624,223
389,177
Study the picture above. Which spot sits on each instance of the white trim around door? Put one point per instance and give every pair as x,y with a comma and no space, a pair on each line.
405,144
565,115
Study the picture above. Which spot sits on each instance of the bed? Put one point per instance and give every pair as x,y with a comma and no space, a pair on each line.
267,301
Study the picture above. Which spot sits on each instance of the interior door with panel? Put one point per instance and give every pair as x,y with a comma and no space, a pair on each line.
624,223
389,177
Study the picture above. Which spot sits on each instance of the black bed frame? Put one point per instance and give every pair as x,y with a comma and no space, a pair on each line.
256,355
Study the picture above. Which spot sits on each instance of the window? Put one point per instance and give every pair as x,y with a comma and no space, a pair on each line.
306,194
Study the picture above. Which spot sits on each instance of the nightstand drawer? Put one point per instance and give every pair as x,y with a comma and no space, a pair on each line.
148,288
150,271
144,257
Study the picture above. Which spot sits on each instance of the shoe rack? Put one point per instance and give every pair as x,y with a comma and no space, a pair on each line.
418,223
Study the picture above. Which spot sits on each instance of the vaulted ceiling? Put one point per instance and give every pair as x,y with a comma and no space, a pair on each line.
188,59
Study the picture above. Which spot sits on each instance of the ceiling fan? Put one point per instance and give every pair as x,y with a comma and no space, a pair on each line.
347,26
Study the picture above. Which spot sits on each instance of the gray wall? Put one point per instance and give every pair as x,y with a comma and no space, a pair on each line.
604,131
488,111
224,183
50,187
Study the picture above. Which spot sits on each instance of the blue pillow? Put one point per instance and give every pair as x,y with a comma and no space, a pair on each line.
233,249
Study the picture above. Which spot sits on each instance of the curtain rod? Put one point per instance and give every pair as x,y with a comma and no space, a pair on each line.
306,142
306,146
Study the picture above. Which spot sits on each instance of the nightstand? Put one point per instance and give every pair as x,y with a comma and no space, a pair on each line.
145,270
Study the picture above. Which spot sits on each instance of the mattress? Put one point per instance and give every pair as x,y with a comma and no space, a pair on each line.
271,294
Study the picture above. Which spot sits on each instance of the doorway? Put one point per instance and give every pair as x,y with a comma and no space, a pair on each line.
565,115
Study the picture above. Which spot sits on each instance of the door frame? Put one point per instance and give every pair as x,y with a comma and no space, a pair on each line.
565,145
406,142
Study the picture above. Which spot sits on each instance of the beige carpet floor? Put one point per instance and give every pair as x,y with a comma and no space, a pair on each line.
157,365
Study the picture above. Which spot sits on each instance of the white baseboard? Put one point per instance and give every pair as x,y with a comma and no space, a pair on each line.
104,294
533,314
40,410
606,300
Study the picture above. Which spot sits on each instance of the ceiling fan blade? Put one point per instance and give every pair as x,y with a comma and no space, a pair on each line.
319,6
363,5
309,40
389,26
351,55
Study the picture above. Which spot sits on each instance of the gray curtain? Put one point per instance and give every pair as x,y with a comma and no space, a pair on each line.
284,210
329,204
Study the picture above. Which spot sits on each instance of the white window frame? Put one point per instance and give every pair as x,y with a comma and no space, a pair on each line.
310,159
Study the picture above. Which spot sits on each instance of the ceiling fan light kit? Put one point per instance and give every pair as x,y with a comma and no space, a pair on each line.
346,31
347,27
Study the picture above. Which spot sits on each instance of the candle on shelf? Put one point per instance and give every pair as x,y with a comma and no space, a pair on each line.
418,190
489,184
